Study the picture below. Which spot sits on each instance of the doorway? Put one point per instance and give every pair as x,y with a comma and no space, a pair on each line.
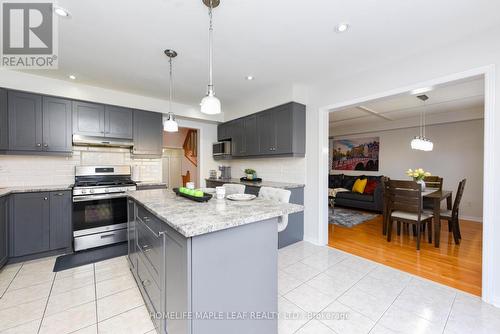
181,157
489,272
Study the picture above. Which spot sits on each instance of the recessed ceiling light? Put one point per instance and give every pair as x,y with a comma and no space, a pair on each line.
342,27
61,12
250,77
72,77
422,90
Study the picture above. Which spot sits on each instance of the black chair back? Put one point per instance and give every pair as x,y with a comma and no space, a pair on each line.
458,198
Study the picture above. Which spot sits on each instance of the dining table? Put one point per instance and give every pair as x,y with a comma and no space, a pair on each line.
437,196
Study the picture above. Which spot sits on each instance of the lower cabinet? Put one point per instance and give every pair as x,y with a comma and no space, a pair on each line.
158,256
39,222
4,244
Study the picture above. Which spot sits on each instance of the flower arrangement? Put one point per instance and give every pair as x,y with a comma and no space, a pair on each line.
418,174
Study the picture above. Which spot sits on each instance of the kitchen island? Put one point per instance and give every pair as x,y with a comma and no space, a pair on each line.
206,267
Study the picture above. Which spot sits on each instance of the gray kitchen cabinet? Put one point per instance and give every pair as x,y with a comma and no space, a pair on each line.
57,125
283,129
250,135
25,121
266,133
4,240
118,122
279,131
132,252
88,119
39,222
34,124
238,143
224,131
60,220
148,134
4,121
29,224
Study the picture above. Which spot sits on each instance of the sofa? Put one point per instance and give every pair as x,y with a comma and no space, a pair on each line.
372,201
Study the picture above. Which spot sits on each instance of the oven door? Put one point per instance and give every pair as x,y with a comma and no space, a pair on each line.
101,213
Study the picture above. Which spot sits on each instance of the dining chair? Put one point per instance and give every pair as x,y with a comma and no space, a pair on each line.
434,182
405,206
233,188
280,195
452,215
385,209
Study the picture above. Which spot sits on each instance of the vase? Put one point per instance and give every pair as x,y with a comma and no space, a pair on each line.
250,176
422,184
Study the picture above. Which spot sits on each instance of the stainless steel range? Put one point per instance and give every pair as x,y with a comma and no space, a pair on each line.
100,205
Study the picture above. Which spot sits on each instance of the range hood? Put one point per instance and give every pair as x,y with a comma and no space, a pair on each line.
79,140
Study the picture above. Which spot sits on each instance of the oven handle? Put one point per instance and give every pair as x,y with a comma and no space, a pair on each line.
97,197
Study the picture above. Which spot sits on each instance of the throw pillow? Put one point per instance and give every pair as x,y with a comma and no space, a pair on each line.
371,185
359,186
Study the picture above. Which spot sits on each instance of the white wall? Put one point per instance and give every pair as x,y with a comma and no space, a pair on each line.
272,169
457,154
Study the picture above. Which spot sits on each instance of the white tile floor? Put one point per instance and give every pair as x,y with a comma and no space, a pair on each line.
321,291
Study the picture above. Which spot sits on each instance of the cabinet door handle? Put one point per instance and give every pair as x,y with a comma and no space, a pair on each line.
104,236
146,219
45,145
59,194
146,282
38,145
45,198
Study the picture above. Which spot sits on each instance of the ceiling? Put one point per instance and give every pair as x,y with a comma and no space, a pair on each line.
119,44
455,96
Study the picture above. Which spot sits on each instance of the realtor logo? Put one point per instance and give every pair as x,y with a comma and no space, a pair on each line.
28,35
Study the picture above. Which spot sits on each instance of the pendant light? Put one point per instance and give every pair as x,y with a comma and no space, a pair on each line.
421,142
210,104
170,125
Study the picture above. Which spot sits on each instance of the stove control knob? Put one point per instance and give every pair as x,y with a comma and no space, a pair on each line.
92,191
84,191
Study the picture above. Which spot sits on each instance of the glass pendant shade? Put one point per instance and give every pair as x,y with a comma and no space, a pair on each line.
210,105
170,125
422,144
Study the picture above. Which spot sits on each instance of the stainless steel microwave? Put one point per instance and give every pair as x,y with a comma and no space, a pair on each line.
221,148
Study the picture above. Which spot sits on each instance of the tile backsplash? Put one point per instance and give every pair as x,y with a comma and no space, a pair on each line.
23,170
272,169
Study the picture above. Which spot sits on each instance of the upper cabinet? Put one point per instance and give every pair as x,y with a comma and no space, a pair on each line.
148,134
279,131
25,121
118,122
88,119
34,123
92,119
57,124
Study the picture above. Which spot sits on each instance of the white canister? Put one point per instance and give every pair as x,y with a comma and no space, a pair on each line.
190,185
220,192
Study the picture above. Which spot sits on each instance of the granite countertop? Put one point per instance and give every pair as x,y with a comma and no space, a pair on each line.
34,189
264,183
192,218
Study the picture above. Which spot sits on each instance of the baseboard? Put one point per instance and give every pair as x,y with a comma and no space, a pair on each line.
472,218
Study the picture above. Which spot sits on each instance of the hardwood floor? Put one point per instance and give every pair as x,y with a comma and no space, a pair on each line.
458,266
